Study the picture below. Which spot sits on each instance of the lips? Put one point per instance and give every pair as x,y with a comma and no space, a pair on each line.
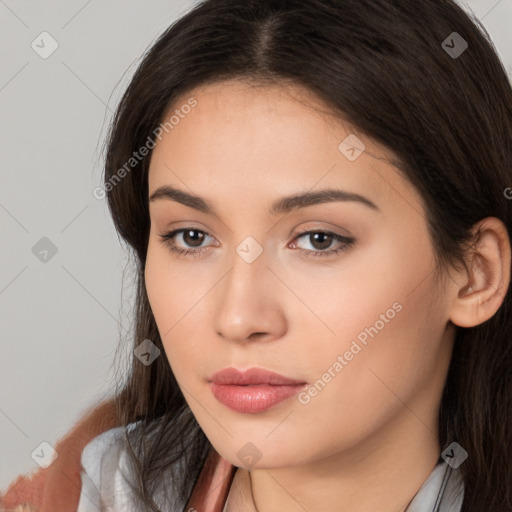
254,390
252,376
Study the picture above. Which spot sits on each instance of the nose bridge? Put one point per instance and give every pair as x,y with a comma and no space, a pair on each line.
242,288
247,302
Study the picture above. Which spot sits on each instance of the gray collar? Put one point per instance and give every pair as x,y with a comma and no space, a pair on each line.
443,491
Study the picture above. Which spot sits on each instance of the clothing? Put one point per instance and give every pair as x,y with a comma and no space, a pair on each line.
106,472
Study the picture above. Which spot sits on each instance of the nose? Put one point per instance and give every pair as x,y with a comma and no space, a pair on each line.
248,303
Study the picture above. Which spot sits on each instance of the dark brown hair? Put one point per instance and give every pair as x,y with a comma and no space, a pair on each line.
381,65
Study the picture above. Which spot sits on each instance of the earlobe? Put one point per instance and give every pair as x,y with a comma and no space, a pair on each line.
480,292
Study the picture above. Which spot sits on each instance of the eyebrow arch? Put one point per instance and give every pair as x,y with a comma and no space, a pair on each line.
282,205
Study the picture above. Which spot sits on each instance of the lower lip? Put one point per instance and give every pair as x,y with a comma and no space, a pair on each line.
254,398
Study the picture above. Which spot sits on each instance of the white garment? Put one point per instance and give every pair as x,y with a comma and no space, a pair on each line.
104,486
106,469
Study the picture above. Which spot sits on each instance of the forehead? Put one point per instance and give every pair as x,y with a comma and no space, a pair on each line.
268,139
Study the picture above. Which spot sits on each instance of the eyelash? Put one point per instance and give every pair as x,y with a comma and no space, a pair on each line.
347,243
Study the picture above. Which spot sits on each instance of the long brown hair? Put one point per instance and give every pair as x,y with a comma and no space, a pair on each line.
395,70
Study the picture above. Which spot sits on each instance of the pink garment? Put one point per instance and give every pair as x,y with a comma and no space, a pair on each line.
26,490
212,487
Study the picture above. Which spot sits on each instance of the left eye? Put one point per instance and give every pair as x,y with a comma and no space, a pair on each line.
193,238
324,239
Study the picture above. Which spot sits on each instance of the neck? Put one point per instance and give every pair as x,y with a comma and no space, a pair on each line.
380,473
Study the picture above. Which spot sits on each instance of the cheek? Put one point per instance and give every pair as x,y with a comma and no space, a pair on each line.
159,288
351,294
389,323
367,378
178,306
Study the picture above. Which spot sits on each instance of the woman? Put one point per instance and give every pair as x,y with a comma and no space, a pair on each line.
318,190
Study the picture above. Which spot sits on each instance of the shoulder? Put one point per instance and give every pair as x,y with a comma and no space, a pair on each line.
102,463
108,476
101,449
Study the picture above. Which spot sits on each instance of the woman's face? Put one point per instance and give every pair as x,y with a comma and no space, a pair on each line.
358,318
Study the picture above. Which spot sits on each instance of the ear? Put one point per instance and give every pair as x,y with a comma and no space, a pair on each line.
480,291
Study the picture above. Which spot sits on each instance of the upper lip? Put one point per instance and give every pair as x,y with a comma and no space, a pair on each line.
251,376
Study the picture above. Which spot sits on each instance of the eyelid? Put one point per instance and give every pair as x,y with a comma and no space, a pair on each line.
327,227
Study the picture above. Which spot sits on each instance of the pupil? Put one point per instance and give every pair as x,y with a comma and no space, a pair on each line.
324,245
197,240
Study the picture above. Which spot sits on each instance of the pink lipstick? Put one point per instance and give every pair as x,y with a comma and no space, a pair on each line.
252,391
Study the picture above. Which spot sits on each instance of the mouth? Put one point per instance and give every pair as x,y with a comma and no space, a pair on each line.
254,390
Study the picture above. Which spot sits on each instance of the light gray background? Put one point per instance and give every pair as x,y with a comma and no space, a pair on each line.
61,319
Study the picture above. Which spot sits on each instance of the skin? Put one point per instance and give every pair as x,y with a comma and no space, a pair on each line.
368,440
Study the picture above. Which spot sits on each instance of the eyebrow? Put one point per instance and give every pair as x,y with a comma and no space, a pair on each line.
282,205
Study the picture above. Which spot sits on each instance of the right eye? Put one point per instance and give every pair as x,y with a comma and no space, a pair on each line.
192,237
